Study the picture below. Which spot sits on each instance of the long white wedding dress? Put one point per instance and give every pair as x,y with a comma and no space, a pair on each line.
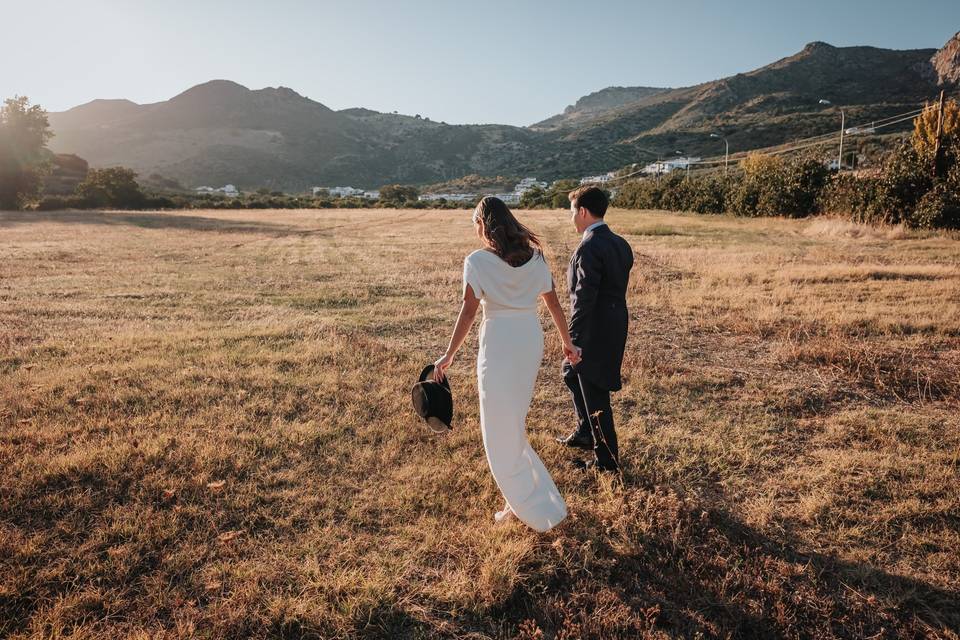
511,348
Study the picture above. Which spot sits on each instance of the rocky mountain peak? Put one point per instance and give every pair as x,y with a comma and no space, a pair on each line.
946,62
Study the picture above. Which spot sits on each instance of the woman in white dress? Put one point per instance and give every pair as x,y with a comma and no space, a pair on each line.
506,278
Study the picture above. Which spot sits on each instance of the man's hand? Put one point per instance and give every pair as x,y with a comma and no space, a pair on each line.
572,353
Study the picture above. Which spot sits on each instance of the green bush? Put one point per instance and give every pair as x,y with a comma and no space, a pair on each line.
768,186
771,186
904,180
849,196
57,203
113,187
534,198
640,194
553,197
398,195
707,194
939,208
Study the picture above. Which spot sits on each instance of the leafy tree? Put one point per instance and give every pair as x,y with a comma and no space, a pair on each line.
398,195
925,127
24,132
558,193
534,198
113,187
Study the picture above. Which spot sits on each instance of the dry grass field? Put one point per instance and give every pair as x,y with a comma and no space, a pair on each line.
205,431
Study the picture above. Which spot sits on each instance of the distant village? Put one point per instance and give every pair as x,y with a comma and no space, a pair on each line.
512,197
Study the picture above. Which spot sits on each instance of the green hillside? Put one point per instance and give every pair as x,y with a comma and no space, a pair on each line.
221,132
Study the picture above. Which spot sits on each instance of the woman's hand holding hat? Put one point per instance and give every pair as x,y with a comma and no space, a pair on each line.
440,367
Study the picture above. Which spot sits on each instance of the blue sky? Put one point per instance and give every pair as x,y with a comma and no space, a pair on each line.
491,61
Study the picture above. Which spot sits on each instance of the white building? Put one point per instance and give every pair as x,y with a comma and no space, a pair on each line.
666,166
226,190
527,184
454,197
601,179
341,192
509,198
372,195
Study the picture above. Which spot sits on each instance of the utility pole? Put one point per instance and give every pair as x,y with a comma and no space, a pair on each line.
726,155
843,125
936,145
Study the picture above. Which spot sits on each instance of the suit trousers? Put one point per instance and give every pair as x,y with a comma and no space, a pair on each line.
598,400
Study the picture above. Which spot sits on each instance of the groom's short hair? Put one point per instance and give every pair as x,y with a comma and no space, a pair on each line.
591,198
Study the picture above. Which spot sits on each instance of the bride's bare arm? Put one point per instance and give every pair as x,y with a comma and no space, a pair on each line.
468,312
560,322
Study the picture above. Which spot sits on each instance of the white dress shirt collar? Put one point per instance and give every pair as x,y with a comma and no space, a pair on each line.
592,227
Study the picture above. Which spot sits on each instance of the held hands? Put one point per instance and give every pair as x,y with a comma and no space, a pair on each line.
572,353
440,367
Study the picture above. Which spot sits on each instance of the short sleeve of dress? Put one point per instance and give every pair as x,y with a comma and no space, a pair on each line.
546,278
472,278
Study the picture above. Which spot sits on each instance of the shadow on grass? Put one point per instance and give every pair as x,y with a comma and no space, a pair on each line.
665,565
695,573
148,220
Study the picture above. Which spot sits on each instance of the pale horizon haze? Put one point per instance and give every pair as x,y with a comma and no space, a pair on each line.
490,62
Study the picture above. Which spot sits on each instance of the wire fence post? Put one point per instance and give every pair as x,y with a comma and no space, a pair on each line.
936,144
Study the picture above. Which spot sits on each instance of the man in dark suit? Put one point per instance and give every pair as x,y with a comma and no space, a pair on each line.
597,279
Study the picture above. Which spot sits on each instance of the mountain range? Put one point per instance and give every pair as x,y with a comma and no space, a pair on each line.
221,132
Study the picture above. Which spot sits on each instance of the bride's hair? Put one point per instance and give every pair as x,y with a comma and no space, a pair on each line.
507,236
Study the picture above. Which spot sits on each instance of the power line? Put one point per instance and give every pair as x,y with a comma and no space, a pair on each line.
813,141
797,145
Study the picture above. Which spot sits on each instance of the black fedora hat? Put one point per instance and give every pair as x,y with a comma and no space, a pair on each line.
433,401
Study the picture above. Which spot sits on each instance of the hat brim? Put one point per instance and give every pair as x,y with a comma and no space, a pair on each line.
437,425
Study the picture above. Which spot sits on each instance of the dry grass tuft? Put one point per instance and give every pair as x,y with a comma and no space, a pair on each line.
823,227
205,432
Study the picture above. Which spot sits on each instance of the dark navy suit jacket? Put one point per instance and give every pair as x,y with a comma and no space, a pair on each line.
597,279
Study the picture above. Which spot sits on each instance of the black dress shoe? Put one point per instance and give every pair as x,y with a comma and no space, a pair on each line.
577,440
592,464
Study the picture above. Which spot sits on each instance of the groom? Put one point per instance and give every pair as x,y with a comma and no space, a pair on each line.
597,279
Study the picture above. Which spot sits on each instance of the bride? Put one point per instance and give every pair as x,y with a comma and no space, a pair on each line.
506,278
